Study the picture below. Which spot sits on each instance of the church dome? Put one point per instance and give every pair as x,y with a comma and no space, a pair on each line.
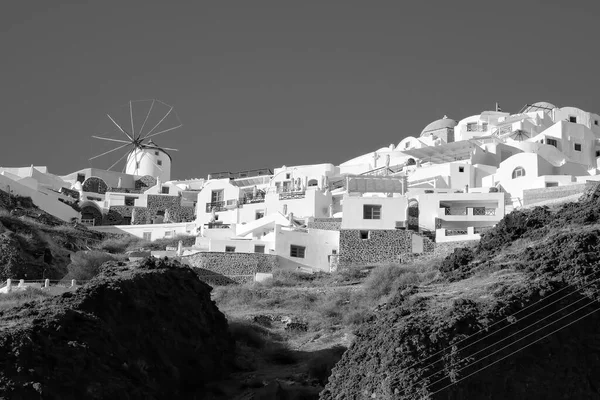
539,106
439,124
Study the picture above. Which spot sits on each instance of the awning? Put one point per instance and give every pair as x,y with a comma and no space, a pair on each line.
444,153
375,184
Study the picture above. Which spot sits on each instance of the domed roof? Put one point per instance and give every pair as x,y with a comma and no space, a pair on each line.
540,105
440,124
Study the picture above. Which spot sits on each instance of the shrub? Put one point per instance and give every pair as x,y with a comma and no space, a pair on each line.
122,244
455,263
86,264
387,279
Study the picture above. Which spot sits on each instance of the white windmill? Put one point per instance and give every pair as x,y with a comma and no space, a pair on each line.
144,157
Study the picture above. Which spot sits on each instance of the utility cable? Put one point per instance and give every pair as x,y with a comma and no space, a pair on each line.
502,320
510,344
516,351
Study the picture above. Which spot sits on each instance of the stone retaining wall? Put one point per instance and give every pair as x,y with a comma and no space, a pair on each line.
382,246
532,196
232,266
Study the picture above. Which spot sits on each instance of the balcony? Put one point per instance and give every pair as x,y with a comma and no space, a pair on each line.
217,226
292,195
470,211
443,235
250,199
215,206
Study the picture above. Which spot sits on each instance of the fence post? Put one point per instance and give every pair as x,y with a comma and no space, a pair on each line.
21,282
73,283
47,283
8,287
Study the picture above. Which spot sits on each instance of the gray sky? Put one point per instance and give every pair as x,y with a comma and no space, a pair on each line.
267,83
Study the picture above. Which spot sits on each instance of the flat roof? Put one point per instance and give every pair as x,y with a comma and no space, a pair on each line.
446,152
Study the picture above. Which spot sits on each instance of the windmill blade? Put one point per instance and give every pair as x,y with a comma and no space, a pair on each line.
159,148
159,122
110,151
118,161
131,115
111,139
119,126
166,130
146,119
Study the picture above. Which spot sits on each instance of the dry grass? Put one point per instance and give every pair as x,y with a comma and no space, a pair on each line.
16,298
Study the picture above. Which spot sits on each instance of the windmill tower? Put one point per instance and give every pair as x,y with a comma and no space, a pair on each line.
143,156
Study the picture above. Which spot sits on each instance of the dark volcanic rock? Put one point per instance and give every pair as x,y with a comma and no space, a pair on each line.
147,331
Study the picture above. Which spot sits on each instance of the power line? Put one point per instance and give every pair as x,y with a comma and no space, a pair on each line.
516,351
510,344
500,321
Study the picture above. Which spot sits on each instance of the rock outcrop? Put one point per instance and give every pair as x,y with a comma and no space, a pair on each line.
143,331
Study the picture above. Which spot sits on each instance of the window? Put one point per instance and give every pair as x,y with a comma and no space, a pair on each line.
595,122
334,251
129,201
126,220
80,178
147,236
259,248
484,127
160,213
287,176
137,165
364,235
577,146
552,142
165,190
259,214
229,249
169,234
216,196
159,162
597,153
371,211
551,184
472,127
297,251
518,172
156,153
461,169
573,119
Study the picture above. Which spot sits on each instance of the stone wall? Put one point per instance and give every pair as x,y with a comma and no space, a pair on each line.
382,246
532,196
327,224
225,267
93,184
145,215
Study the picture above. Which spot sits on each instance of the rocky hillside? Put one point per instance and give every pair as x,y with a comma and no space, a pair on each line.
143,331
35,244
514,317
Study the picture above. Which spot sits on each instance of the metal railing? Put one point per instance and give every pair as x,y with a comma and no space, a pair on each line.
484,211
88,222
215,205
455,211
292,195
217,226
456,232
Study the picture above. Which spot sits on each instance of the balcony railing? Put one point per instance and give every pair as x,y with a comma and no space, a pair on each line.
88,222
456,232
215,205
484,211
292,195
217,226
456,211
249,199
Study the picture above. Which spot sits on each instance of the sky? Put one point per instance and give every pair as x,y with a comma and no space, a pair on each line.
262,84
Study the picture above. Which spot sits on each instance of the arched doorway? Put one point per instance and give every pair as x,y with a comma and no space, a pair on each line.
412,215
